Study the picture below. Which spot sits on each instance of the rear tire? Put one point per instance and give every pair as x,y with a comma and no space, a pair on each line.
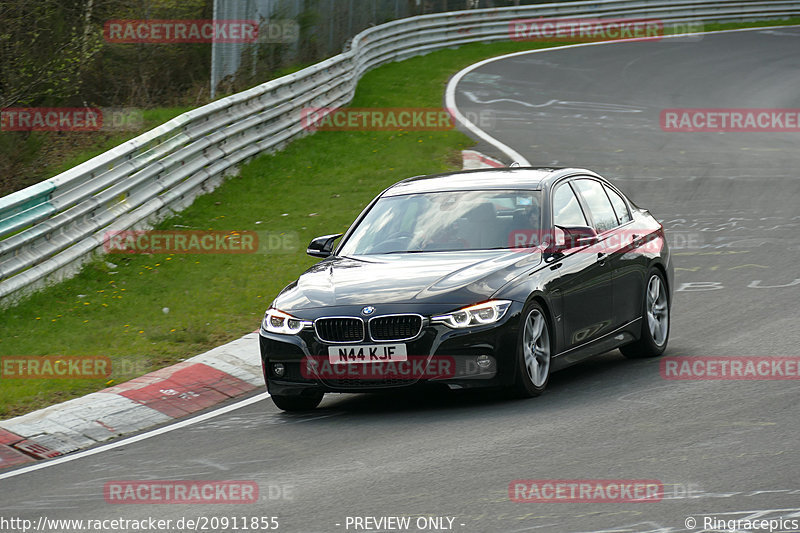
533,352
655,320
295,404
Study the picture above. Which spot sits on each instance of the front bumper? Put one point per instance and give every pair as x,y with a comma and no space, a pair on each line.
436,344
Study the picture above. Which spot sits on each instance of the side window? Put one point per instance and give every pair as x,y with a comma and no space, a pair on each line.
620,207
566,209
599,205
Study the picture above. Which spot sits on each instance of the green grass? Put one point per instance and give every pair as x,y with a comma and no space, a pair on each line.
316,186
40,155
151,119
756,24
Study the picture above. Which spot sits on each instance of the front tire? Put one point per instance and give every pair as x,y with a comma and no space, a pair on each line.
533,352
655,320
295,404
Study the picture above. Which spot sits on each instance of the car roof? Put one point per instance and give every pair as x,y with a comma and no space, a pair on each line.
529,178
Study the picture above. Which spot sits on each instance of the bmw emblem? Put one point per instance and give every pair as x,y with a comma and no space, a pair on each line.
368,310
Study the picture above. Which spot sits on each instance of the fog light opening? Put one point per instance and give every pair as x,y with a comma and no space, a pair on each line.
278,369
483,361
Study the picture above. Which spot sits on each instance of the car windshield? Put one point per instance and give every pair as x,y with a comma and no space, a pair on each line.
446,221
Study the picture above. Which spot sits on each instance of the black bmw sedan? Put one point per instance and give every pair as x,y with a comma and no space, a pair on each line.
487,278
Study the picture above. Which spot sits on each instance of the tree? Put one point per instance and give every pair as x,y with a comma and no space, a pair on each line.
44,48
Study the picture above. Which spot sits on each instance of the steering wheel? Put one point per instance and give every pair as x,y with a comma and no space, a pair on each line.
399,235
392,242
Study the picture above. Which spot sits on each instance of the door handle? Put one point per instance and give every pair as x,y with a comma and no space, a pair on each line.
601,257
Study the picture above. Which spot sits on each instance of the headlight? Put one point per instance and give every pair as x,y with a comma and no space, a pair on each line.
276,321
475,315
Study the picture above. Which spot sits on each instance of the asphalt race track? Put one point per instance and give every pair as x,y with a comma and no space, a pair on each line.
724,449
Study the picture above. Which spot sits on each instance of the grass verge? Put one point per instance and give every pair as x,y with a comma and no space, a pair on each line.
149,311
51,152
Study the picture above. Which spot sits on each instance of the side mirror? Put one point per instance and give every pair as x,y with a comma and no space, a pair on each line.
322,246
582,235
574,236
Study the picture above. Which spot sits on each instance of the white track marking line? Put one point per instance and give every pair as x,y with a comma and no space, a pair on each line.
450,104
450,91
137,438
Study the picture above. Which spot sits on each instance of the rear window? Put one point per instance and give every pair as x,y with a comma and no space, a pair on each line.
599,205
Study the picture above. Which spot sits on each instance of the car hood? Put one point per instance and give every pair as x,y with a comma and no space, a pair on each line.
456,278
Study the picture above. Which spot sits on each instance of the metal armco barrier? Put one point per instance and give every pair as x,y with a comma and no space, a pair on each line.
50,229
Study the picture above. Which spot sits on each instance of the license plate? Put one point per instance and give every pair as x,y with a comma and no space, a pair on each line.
367,353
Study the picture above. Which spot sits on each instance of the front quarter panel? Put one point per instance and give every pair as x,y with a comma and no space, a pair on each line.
542,283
